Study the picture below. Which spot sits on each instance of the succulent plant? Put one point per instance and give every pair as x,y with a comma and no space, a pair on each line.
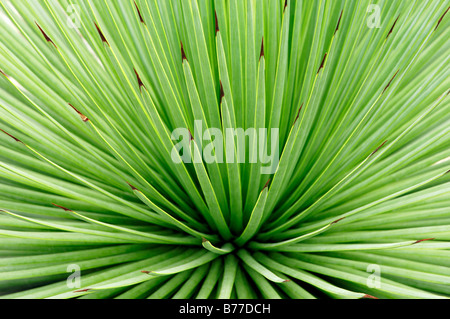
97,200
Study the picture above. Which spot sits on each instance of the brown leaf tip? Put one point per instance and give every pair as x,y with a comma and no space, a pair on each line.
145,272
369,297
222,93
83,290
442,17
47,38
1,71
132,187
138,79
139,13
337,221
392,28
421,240
217,21
285,5
378,148
390,82
204,240
83,117
63,208
339,22
267,184
261,54
14,138
323,62
287,280
298,113
102,36
183,54
191,138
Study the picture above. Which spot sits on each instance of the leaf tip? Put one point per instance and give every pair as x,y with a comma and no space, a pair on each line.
392,28
339,22
62,207
140,83
323,62
83,290
298,113
261,54
132,187
102,36
440,20
183,54
267,184
421,240
217,21
83,117
390,82
47,38
13,137
378,148
222,93
139,13
337,221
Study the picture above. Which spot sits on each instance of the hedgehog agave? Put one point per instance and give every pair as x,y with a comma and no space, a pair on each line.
100,199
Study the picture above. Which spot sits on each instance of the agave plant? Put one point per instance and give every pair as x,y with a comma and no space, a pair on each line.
96,201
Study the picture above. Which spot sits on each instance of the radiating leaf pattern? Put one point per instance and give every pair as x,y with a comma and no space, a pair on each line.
91,91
